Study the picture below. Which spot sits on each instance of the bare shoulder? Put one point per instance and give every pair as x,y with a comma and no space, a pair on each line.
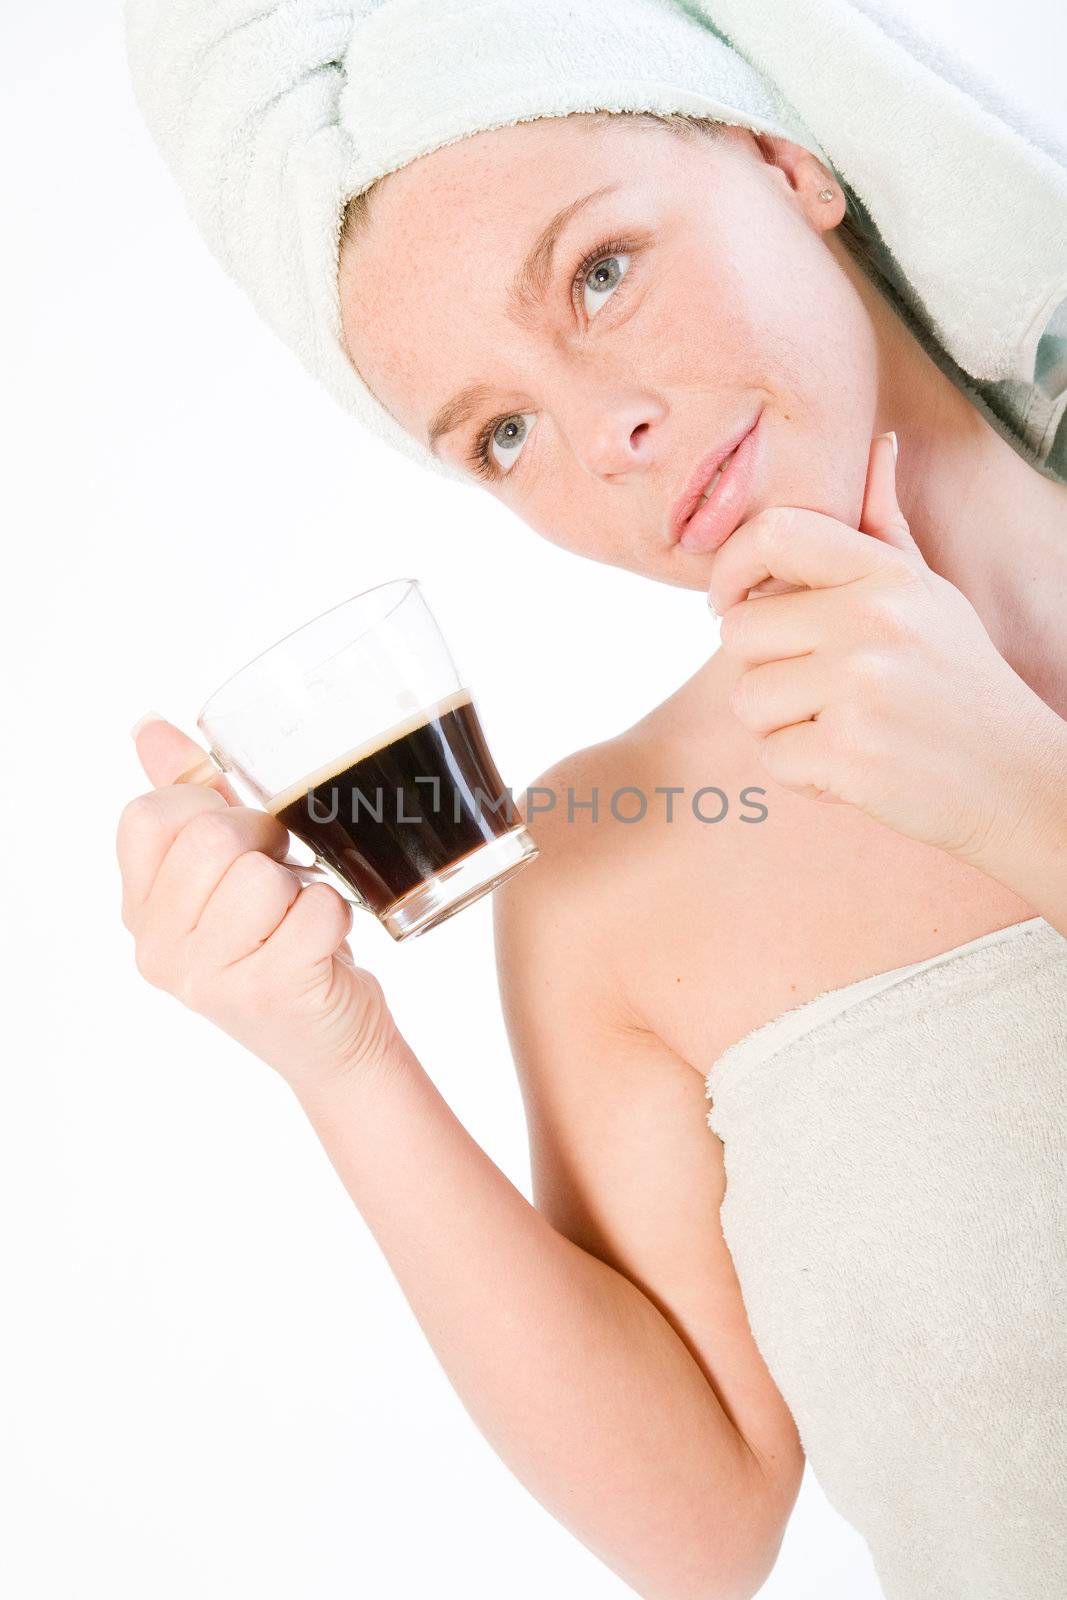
642,846
694,899
633,863
568,910
562,952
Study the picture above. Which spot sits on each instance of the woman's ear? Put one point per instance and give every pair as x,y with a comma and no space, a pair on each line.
765,143
818,190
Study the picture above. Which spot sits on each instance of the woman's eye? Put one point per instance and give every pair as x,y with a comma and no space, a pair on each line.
500,444
603,279
508,438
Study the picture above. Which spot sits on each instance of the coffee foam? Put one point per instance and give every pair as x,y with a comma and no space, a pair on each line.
417,719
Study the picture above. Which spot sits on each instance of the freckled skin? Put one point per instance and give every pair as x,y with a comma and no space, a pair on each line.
701,330
738,293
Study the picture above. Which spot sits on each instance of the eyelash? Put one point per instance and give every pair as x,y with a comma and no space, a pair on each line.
478,460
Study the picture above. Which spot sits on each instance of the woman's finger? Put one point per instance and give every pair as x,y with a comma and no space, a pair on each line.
147,828
202,853
166,753
781,625
798,546
246,906
317,922
778,694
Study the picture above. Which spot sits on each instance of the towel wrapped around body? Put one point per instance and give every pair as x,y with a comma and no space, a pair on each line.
896,1210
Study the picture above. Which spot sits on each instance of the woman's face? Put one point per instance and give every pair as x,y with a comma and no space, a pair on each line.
703,285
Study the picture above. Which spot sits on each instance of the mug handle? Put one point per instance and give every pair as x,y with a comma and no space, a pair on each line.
317,872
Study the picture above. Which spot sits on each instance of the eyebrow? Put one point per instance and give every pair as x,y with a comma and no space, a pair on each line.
527,291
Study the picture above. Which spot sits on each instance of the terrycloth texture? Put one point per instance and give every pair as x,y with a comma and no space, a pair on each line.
896,1210
272,113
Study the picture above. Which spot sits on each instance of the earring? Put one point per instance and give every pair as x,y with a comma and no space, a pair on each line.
826,194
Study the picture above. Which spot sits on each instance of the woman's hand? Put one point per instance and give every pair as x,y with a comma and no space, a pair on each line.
228,930
876,684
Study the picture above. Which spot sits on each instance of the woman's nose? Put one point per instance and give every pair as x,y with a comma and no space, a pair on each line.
612,438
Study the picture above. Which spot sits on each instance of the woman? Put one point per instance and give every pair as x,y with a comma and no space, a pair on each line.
599,1338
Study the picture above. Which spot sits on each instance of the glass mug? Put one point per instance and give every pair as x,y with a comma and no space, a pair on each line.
357,732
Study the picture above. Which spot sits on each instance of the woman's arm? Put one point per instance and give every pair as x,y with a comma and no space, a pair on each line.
597,1337
574,1377
605,1410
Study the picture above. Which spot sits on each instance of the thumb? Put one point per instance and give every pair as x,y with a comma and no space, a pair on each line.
165,753
882,517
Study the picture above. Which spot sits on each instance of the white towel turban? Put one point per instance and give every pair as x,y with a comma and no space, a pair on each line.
271,114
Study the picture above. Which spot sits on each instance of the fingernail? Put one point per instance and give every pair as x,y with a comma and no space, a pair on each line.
893,441
149,716
712,607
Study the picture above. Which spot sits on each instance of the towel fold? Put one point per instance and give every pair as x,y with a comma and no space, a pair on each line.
271,114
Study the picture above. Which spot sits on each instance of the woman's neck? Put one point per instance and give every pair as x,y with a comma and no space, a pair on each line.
983,518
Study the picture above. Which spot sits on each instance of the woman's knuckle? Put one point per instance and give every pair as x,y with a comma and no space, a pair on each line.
880,619
152,962
741,695
328,907
139,819
909,578
851,726
319,897
193,986
771,529
269,870
732,628
210,835
266,878
867,670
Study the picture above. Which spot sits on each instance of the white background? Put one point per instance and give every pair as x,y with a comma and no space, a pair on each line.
212,1385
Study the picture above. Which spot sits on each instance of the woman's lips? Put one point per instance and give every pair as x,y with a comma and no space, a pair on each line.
716,518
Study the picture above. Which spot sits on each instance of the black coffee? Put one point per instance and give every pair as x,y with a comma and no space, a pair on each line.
388,817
